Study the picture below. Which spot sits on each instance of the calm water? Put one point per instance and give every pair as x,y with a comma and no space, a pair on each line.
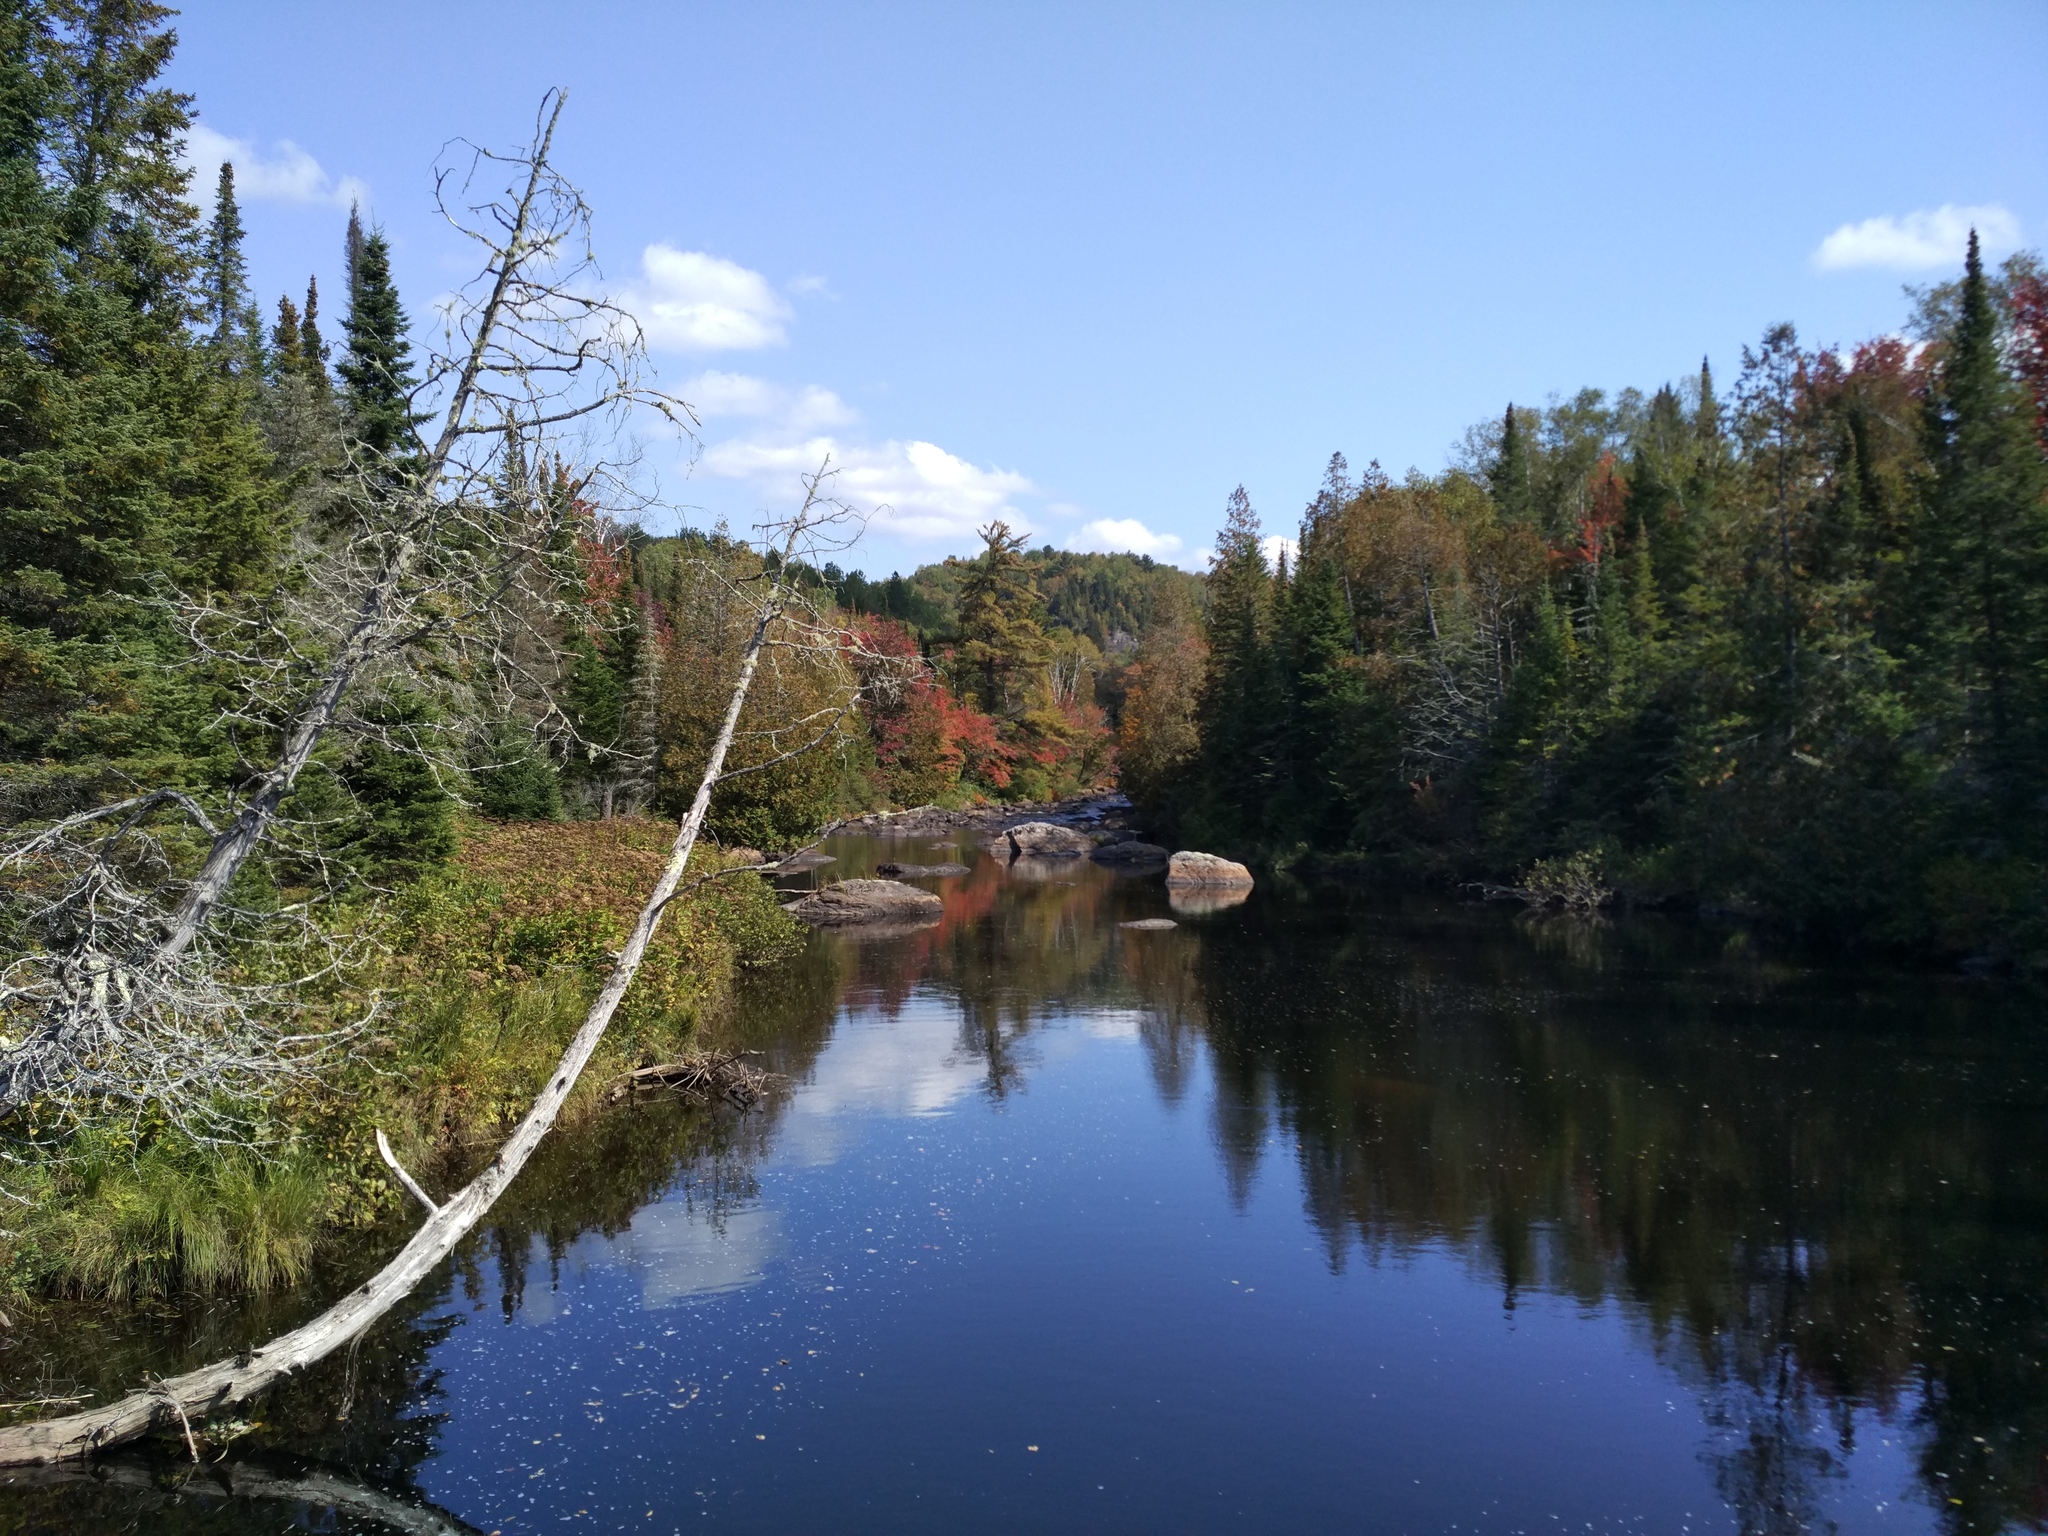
1324,1212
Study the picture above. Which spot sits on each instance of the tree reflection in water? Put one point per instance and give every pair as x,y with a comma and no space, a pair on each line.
1816,1190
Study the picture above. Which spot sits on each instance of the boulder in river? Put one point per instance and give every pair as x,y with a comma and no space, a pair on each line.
921,871
1187,868
866,901
1132,852
1047,840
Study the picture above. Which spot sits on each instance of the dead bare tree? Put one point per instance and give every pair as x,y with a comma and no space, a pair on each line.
141,978
785,620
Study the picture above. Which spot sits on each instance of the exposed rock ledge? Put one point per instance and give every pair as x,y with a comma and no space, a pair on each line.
866,901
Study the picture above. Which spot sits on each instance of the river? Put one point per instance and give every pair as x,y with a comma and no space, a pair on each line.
1327,1211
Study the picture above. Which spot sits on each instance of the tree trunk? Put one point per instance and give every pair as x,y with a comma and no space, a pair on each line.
226,1382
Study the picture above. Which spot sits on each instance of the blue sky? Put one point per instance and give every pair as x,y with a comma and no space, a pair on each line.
1090,266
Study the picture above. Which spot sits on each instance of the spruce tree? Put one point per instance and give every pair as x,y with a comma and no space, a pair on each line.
234,330
1511,487
1002,623
129,460
312,349
1986,537
1240,714
284,339
376,374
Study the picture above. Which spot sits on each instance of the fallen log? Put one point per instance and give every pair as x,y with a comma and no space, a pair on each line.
211,1388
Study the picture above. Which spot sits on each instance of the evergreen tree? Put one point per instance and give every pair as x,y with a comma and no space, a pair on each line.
312,349
235,335
128,459
1002,628
285,358
1239,713
1511,484
1985,539
376,374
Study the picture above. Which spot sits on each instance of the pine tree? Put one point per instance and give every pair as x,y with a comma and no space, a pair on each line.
1986,536
285,359
1510,485
235,332
376,374
352,244
1002,623
313,350
1240,712
129,460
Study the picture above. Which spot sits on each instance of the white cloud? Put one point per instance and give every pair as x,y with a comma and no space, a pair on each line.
1113,535
1932,237
714,393
1277,544
287,175
690,301
912,489
683,1253
810,282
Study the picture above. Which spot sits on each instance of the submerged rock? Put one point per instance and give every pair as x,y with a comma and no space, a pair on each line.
920,871
806,861
866,901
1188,868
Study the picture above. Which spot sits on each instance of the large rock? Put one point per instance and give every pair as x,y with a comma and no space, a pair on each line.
866,901
1132,852
1046,840
1185,869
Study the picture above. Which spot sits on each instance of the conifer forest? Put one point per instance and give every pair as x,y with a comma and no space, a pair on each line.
389,781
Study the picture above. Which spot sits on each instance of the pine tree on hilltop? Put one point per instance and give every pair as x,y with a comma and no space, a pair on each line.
376,373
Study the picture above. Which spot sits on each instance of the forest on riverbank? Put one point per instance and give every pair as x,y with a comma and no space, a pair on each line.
207,504
1783,653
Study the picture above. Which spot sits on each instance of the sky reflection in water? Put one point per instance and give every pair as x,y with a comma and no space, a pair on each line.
1311,1214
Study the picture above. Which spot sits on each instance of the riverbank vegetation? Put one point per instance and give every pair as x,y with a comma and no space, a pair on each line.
269,660
1783,652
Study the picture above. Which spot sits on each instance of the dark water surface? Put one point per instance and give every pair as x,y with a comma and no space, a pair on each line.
1324,1212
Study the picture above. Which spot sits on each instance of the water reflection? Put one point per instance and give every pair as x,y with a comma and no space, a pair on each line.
1815,1192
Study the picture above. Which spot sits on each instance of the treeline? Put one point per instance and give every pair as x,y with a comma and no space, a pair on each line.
1784,652
1111,599
168,447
